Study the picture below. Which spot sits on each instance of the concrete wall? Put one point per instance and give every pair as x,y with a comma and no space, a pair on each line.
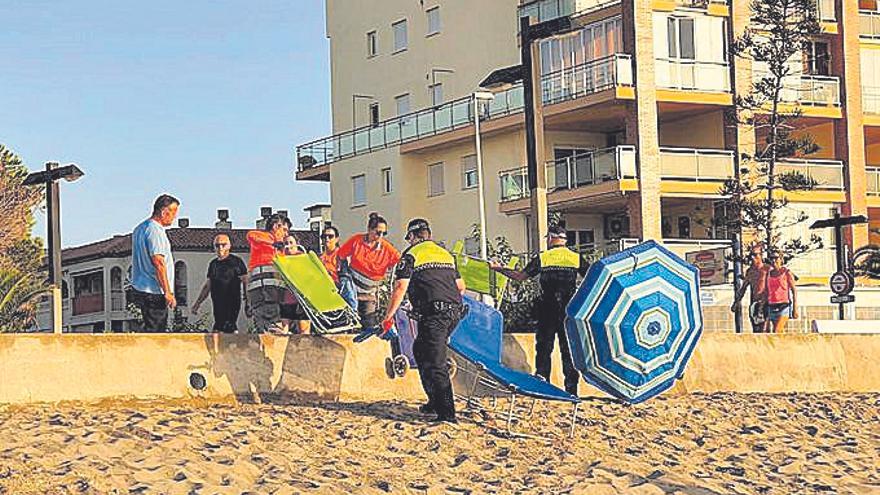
48,368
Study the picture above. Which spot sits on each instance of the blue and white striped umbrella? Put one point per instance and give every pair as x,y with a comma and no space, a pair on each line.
634,321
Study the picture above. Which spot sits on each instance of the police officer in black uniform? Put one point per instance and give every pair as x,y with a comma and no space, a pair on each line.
558,268
427,274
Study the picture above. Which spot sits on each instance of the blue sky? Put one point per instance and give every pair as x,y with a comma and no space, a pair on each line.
202,99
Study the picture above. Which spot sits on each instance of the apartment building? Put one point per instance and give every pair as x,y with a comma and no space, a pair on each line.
636,144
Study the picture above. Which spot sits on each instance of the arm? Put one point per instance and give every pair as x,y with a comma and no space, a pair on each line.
461,286
794,306
738,295
202,295
159,264
511,273
397,295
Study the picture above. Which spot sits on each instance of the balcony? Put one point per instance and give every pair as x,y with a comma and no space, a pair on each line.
545,10
586,79
681,247
411,127
88,303
696,165
869,24
117,300
693,75
873,180
580,170
828,174
808,89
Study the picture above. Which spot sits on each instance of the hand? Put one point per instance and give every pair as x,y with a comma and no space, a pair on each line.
794,314
733,307
387,323
494,265
247,310
170,300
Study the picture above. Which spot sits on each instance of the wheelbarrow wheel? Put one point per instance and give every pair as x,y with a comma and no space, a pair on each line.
389,368
400,365
452,367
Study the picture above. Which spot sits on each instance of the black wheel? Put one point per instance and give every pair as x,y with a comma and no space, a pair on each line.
389,368
866,261
400,365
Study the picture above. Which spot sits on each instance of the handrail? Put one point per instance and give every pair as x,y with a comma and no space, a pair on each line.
587,78
705,164
562,8
873,184
699,75
827,173
808,89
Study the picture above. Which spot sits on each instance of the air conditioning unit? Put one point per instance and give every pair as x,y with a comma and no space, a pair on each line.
616,226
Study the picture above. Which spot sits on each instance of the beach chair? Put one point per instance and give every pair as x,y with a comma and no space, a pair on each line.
307,278
477,339
478,277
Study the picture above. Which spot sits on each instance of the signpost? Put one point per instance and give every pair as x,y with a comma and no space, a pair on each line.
842,282
712,264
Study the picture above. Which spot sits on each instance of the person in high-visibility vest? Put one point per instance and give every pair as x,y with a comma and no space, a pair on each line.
427,273
558,268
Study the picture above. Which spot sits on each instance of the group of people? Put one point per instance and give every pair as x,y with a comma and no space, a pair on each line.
425,273
773,292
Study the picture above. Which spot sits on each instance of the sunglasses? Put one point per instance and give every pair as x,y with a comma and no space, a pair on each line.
328,236
381,233
221,244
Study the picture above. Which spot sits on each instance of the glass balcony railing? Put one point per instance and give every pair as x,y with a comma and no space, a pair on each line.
410,127
545,10
869,24
828,174
871,99
808,89
588,78
696,164
582,169
693,75
873,180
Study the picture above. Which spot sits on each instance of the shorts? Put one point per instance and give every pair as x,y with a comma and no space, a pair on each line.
777,311
265,305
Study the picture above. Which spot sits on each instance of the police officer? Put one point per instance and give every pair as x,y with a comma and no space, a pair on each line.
558,268
427,274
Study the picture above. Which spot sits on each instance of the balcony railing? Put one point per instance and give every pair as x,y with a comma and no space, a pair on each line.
696,165
417,125
117,300
87,304
678,246
871,99
869,24
808,89
545,10
588,78
873,180
693,75
582,169
828,174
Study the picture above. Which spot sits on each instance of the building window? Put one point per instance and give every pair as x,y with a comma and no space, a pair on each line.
359,190
469,177
435,180
433,20
681,38
436,91
400,41
374,114
581,241
180,286
372,44
387,183
402,104
817,59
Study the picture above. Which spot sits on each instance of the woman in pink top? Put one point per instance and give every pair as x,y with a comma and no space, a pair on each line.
781,294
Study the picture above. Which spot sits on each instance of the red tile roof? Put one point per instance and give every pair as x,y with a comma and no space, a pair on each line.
192,239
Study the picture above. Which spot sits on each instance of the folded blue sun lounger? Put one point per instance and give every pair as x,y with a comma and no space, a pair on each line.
477,339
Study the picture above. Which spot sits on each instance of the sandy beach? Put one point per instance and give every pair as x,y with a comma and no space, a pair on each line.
700,444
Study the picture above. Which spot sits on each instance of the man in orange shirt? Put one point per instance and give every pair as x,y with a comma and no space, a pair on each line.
265,290
330,256
369,256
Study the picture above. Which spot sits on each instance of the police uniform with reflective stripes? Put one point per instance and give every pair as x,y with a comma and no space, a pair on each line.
558,269
437,306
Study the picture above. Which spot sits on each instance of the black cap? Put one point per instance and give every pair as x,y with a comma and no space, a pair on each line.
417,225
556,231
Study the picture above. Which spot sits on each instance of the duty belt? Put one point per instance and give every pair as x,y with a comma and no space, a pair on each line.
440,307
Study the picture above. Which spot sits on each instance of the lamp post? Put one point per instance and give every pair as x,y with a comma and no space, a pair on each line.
50,178
479,96
528,72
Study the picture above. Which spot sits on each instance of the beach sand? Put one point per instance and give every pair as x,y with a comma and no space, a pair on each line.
699,444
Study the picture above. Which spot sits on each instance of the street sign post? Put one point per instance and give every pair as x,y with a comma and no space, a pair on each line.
842,282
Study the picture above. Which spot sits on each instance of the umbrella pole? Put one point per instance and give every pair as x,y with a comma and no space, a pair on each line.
574,415
510,414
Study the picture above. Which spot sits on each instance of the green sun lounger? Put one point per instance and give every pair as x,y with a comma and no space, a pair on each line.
309,281
477,275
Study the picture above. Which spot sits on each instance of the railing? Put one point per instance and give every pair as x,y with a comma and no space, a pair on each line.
873,180
826,10
417,125
545,10
87,304
696,164
582,169
871,99
807,89
869,24
117,300
678,246
693,75
828,174
588,78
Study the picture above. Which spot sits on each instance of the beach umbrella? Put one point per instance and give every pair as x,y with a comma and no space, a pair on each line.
634,321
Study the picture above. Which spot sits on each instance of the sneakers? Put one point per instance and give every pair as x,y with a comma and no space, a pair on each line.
426,408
